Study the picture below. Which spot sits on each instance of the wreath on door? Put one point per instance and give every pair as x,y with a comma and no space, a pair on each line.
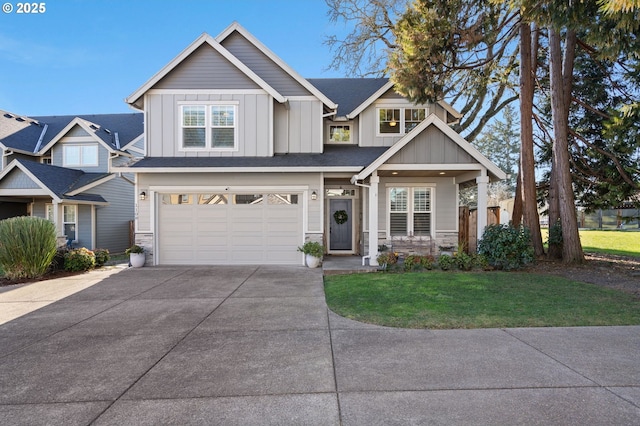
340,216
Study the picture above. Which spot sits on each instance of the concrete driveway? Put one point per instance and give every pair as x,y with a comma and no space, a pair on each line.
256,345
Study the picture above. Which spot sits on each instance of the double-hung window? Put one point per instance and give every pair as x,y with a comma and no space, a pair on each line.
69,221
410,211
209,127
80,155
399,121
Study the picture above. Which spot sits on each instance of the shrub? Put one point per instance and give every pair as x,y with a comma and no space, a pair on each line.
464,261
446,262
58,260
506,247
135,249
81,259
412,262
102,257
480,261
387,259
27,246
312,248
427,262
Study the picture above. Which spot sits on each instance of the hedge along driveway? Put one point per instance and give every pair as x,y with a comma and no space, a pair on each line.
444,300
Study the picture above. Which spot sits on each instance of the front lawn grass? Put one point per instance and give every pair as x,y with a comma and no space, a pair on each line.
445,300
622,243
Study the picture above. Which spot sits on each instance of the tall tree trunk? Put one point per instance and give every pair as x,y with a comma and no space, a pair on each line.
527,160
555,247
516,217
561,75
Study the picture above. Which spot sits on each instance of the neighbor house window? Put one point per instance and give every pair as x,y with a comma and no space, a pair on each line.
69,221
80,155
399,121
45,160
49,212
409,211
212,127
340,133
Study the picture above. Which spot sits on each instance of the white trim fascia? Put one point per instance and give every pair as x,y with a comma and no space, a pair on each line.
345,169
204,38
23,192
43,188
83,202
227,189
441,167
82,123
91,185
264,49
19,151
432,119
207,92
389,85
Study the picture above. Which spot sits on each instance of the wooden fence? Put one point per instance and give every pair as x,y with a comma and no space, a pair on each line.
468,226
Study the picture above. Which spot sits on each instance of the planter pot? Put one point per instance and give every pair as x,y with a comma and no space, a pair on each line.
312,261
137,259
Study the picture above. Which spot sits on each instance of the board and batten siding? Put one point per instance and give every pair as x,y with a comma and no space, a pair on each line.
236,180
205,68
112,230
163,127
432,146
445,198
299,128
264,67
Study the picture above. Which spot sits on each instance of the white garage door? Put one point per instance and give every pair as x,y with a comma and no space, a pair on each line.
209,229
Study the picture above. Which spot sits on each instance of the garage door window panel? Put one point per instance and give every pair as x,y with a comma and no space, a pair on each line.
212,199
282,199
177,199
248,199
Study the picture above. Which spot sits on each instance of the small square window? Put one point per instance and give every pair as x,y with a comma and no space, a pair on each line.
339,134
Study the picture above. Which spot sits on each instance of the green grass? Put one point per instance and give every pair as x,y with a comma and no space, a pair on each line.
621,243
444,300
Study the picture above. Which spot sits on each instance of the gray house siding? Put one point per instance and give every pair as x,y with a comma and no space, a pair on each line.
17,179
431,147
112,230
77,131
205,68
163,127
299,128
264,67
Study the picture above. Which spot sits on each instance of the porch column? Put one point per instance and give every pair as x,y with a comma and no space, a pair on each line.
483,189
56,218
373,219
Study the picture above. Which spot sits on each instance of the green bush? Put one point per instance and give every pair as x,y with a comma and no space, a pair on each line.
480,261
506,247
27,246
102,257
464,261
412,262
81,259
427,262
446,262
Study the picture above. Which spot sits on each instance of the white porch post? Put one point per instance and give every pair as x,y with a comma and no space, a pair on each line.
483,189
373,219
56,218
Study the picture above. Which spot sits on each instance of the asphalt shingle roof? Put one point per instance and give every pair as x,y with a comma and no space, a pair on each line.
348,93
333,156
23,133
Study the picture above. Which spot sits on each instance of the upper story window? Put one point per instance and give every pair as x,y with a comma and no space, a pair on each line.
209,127
339,134
399,121
80,155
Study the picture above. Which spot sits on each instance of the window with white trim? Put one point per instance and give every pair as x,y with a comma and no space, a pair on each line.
209,127
341,133
80,155
69,221
399,121
410,211
49,212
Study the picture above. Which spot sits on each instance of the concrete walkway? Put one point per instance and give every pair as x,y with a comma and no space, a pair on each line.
257,345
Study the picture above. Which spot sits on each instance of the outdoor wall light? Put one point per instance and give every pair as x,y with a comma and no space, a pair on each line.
314,195
143,196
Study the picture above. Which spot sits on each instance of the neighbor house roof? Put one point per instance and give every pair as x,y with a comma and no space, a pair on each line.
348,158
59,181
34,135
348,93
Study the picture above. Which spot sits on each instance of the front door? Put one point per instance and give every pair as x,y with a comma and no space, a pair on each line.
340,224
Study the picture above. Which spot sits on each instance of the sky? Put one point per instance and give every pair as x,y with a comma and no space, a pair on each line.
86,56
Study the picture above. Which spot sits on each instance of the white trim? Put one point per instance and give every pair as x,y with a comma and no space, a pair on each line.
207,92
410,211
432,119
65,147
347,169
432,167
83,124
251,39
401,123
44,190
75,220
90,185
191,189
330,124
204,38
133,142
208,138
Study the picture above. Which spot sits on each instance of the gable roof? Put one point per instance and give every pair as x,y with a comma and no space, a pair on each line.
348,93
381,87
236,27
34,135
135,97
431,120
58,181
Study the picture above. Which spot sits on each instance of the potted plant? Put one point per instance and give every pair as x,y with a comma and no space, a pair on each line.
314,252
136,256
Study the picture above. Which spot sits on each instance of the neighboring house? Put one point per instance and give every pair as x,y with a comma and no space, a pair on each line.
61,168
245,160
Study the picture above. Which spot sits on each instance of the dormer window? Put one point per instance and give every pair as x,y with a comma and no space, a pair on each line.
209,127
399,121
339,134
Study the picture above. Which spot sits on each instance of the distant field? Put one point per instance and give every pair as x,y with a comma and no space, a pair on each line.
621,243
